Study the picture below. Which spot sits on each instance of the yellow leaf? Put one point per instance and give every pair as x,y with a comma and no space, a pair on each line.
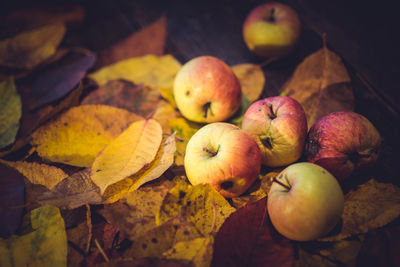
79,134
251,78
46,245
151,70
164,114
38,173
198,251
184,130
135,148
28,49
162,161
202,205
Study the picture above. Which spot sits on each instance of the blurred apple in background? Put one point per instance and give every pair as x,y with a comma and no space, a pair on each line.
206,90
343,142
305,202
271,30
279,126
224,156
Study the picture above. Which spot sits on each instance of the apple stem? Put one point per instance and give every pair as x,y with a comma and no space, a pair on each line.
280,183
272,114
206,107
211,152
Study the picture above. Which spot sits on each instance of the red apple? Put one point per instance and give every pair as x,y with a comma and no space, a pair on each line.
271,30
343,142
279,126
224,156
206,90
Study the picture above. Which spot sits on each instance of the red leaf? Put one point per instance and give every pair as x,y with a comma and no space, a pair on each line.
247,238
11,196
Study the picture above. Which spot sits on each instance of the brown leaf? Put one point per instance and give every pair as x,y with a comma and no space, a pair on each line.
247,238
139,99
370,206
72,192
149,40
321,84
153,262
251,78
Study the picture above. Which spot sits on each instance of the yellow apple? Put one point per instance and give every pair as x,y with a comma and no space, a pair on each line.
279,126
305,202
224,156
206,90
271,30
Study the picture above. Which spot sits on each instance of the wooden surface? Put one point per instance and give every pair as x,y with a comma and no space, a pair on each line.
364,35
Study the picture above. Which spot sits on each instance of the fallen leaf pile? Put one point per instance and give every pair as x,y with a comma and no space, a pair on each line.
92,148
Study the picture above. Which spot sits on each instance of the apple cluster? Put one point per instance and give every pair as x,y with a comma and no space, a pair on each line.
305,200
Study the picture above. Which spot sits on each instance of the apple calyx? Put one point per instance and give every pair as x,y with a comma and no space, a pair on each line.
226,185
206,108
270,17
212,152
287,187
266,140
355,156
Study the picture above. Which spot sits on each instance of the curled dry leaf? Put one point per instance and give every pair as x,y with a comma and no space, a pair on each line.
151,70
132,150
321,84
197,251
46,245
247,238
370,206
10,112
202,205
78,135
251,78
163,160
38,173
72,192
28,49
12,199
149,40
154,262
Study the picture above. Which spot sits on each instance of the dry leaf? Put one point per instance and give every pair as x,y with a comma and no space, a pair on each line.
370,206
321,84
12,200
247,238
72,192
28,49
202,205
133,149
164,114
151,70
10,112
163,160
46,245
38,173
197,251
184,130
251,78
79,134
149,40
135,214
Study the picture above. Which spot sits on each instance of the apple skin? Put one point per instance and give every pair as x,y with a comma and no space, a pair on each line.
224,156
343,142
279,126
271,30
310,207
206,90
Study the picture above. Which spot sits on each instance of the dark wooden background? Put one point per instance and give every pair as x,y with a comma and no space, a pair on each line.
364,34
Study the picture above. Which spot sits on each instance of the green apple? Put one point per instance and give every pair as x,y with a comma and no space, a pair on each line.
305,202
271,30
224,156
279,126
206,90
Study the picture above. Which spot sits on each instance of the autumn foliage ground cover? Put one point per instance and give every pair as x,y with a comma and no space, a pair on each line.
91,157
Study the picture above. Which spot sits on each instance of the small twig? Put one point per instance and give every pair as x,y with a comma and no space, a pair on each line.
268,61
89,224
101,250
214,221
324,40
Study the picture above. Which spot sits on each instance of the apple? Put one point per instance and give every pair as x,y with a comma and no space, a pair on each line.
343,142
206,90
305,202
271,30
224,156
279,126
